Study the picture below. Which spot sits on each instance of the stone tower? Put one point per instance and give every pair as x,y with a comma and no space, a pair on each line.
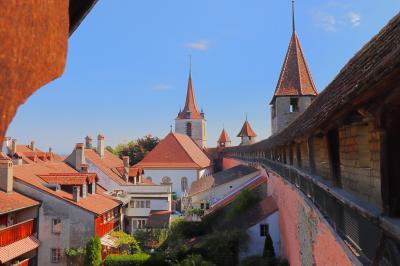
189,120
295,89
247,134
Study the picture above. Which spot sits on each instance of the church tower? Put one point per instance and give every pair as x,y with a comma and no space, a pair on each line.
247,134
190,121
295,89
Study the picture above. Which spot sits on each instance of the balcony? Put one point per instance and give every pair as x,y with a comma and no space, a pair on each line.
25,262
17,232
104,228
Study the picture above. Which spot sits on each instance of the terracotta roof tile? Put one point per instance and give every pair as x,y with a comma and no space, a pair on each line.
247,131
29,173
158,219
18,248
259,212
295,78
69,178
224,137
13,201
176,151
190,110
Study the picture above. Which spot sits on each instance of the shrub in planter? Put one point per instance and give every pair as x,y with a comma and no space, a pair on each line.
126,260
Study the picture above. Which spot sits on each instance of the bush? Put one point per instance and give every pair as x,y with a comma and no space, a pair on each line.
246,200
128,241
93,252
194,260
157,260
126,260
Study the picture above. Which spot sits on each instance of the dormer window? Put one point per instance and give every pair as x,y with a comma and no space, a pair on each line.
294,105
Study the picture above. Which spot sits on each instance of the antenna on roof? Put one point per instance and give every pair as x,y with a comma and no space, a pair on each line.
293,20
170,128
246,116
190,64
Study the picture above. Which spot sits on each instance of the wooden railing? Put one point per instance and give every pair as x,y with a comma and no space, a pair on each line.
16,232
104,228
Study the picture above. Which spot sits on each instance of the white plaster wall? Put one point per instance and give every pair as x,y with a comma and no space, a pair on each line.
175,175
199,132
77,225
256,242
155,204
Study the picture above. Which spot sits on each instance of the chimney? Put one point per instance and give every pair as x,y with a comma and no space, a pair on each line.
126,167
13,146
6,173
84,168
93,190
32,146
6,145
79,156
100,145
17,160
88,142
84,190
75,193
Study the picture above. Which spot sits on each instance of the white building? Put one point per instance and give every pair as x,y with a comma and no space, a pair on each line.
177,161
140,196
215,187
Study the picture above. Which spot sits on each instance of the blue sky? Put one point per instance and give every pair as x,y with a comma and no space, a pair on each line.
127,65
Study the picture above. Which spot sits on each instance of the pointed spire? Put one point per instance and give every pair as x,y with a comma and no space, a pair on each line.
246,130
224,137
295,78
190,110
293,17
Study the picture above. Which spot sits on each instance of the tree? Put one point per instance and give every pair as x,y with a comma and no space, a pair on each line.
269,251
93,252
137,149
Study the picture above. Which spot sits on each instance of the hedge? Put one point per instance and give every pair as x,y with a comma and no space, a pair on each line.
126,260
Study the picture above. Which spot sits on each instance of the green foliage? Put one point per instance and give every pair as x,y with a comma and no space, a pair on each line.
195,211
75,252
93,252
158,259
263,261
126,240
194,260
246,200
126,260
136,150
269,251
222,248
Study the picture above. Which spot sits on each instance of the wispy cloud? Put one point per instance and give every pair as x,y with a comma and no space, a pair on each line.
326,21
355,19
198,45
161,87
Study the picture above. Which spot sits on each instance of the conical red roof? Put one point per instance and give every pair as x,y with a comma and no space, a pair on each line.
247,131
190,110
295,78
224,137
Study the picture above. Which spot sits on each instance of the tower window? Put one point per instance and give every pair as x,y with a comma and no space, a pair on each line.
184,184
273,110
294,105
189,129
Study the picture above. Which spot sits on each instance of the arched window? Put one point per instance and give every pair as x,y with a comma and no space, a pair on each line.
166,180
189,129
184,184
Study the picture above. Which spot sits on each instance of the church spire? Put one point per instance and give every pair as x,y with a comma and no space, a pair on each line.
190,111
293,18
295,78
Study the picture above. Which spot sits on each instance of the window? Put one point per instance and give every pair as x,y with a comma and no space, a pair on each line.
56,226
148,204
116,213
184,184
189,129
141,224
55,255
264,229
132,204
273,110
294,105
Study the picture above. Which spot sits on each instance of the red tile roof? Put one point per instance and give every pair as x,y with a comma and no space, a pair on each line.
247,131
37,156
18,248
190,104
29,173
69,178
259,212
176,151
14,201
158,219
295,78
224,137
